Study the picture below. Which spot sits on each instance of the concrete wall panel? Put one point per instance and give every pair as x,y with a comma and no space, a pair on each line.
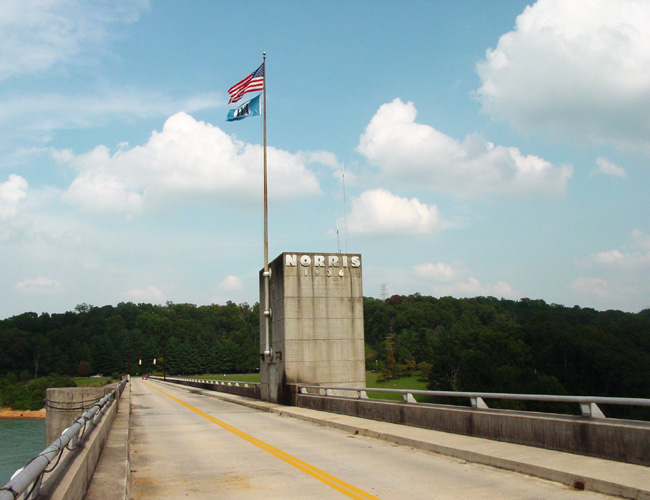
624,441
324,307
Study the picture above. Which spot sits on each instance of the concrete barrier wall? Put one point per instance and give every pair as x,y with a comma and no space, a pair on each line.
67,404
252,391
624,441
71,478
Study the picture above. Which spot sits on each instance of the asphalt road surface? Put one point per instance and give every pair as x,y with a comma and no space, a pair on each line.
186,445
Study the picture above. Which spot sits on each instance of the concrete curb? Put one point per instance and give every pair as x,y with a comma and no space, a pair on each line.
576,471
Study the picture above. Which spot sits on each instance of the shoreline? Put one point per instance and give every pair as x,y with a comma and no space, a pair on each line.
9,413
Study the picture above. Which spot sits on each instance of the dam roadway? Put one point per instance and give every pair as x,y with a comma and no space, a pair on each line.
184,444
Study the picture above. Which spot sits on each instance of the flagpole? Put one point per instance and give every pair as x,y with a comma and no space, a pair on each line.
267,274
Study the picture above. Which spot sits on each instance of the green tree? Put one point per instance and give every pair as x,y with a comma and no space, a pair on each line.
83,369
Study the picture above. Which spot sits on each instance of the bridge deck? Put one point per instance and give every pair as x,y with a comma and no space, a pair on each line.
185,444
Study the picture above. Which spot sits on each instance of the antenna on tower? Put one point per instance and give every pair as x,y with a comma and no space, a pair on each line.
338,241
383,291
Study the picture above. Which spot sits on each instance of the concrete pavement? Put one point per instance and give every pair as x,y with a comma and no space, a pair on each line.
611,478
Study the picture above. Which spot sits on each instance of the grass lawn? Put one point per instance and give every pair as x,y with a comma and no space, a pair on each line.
415,382
92,382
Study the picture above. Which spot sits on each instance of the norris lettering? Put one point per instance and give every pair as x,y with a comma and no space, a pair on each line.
338,260
316,264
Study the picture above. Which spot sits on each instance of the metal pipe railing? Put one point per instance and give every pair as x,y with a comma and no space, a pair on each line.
588,404
210,381
31,475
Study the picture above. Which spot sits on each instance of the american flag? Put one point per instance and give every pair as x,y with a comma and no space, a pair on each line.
253,82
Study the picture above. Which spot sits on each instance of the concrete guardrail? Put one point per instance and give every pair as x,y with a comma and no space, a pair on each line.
74,455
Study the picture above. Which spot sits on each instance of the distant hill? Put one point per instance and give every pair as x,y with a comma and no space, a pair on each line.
480,344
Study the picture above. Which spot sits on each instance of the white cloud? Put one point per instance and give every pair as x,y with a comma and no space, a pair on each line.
12,193
592,286
230,283
578,69
188,158
608,257
640,240
378,212
618,277
147,294
616,258
324,158
454,279
36,35
420,155
611,292
39,286
634,256
440,272
103,192
471,287
606,167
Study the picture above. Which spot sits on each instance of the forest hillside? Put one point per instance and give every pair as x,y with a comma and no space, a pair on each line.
476,344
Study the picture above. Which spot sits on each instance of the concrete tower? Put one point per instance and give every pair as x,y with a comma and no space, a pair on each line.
316,327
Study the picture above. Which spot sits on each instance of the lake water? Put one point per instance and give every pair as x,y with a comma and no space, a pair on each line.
21,439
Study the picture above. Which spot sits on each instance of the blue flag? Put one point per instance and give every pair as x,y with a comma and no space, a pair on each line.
249,108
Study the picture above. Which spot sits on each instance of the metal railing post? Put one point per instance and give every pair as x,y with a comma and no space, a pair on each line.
478,402
591,410
408,398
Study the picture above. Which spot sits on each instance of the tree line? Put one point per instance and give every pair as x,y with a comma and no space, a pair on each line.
475,344
112,340
525,346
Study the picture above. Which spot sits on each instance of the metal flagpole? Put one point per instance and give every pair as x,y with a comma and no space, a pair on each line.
345,209
267,274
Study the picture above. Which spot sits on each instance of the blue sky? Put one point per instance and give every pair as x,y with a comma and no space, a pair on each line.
489,148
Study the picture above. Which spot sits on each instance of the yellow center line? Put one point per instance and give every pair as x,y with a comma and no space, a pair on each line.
324,477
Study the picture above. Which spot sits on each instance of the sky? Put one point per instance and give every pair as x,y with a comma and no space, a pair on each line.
462,148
